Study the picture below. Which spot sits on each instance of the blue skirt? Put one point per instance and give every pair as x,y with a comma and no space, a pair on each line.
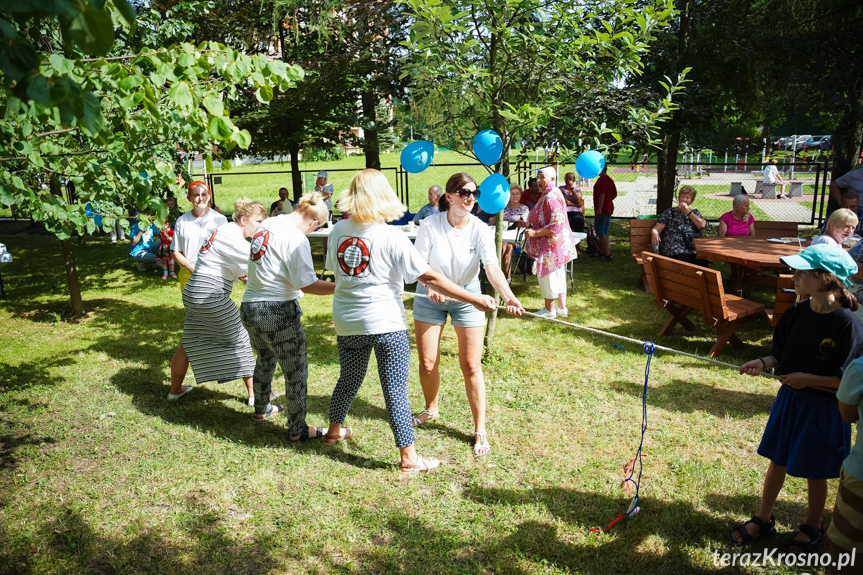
806,434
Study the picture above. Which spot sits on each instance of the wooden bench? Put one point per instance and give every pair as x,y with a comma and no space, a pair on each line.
680,288
639,241
785,296
776,229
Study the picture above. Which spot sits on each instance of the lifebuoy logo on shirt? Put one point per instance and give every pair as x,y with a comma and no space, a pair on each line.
260,242
354,257
209,243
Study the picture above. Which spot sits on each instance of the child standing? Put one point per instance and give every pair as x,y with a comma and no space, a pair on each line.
165,255
813,343
846,530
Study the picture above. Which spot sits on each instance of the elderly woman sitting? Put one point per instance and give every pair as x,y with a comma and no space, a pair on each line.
676,228
737,222
840,227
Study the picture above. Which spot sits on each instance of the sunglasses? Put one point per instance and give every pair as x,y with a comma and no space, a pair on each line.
465,193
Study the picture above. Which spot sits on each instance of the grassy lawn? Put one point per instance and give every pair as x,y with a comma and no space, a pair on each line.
100,474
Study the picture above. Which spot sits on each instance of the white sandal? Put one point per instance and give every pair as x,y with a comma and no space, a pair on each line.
417,421
422,464
481,443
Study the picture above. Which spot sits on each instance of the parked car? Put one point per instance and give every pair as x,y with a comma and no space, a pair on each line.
801,142
815,143
783,143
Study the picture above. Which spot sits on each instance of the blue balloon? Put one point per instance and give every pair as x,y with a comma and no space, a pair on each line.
487,147
589,164
493,194
417,156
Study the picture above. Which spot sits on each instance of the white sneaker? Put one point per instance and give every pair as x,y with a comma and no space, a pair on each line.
544,313
562,311
251,401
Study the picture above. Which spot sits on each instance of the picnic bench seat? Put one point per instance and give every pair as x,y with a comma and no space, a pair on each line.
785,297
776,229
681,288
639,241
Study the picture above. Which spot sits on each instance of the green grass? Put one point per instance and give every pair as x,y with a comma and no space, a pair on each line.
100,474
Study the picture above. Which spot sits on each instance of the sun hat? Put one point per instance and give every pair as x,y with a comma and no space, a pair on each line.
322,174
825,257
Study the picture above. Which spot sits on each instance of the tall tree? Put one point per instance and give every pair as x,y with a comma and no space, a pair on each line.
111,117
511,65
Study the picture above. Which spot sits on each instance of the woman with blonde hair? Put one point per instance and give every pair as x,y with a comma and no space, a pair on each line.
214,339
280,270
840,226
371,262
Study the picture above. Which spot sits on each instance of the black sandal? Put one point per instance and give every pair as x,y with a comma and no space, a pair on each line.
304,435
816,538
764,530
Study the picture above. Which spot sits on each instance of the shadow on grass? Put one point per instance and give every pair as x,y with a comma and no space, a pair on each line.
661,535
15,436
68,540
687,397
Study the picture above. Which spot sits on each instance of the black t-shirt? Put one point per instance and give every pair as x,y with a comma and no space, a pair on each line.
817,343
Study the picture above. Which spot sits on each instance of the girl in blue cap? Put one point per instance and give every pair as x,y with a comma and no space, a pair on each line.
813,343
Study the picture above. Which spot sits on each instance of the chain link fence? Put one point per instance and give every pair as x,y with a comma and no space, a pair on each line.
716,183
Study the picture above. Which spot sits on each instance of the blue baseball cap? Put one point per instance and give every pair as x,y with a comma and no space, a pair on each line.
824,257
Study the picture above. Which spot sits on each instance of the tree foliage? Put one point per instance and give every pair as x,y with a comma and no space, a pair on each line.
113,116
534,67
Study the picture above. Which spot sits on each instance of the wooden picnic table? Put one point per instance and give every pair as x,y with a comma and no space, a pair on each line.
751,252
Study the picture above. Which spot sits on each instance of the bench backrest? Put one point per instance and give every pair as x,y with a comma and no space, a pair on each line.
687,284
776,229
639,236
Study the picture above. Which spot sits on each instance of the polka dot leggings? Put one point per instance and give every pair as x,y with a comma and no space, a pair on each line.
392,350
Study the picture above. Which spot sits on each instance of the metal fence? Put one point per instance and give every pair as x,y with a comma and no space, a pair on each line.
636,184
716,184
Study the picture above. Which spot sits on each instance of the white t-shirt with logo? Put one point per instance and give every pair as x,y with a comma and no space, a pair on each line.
371,263
456,253
189,232
224,253
280,262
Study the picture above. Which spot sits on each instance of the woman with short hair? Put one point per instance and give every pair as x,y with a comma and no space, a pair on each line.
371,262
737,222
214,338
676,228
840,226
454,244
549,243
280,271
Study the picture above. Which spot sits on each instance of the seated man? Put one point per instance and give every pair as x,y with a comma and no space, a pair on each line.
849,201
431,208
771,176
143,245
283,205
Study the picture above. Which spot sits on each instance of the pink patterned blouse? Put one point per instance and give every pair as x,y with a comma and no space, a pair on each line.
550,252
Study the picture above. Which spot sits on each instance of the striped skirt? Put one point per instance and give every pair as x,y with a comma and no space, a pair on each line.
214,338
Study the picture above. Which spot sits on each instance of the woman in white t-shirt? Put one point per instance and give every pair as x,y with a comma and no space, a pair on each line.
280,266
454,243
189,232
371,262
214,338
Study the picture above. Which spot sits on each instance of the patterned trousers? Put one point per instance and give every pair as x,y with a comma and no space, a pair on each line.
277,336
392,351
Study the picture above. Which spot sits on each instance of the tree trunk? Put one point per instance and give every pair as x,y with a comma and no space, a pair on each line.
72,278
666,170
849,136
296,176
371,148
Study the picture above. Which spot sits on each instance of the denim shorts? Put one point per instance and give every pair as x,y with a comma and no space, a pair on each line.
601,223
461,314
